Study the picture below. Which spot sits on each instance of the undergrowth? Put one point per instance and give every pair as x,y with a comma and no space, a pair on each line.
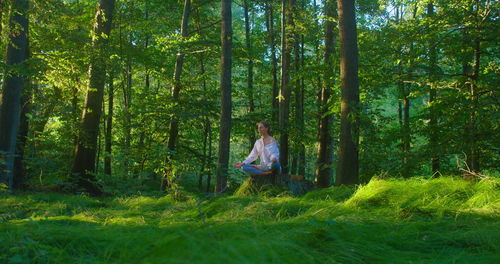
444,220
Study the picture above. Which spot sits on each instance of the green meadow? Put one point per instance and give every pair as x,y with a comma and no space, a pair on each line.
444,220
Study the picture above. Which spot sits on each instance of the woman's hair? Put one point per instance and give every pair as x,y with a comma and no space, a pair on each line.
266,125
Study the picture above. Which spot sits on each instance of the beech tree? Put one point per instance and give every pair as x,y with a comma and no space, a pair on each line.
12,89
83,165
284,101
325,151
226,103
174,123
348,165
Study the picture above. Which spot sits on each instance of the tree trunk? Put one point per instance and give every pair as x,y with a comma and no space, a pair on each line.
248,42
433,123
226,103
206,129
209,157
26,108
406,133
19,162
473,151
176,88
300,116
348,167
286,21
297,139
12,91
324,170
109,127
274,62
85,149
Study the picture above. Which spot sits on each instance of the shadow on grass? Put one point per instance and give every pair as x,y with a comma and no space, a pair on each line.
341,239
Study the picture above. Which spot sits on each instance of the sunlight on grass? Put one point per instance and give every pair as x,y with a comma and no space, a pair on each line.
442,220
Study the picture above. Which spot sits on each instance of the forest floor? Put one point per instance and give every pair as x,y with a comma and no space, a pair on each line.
444,220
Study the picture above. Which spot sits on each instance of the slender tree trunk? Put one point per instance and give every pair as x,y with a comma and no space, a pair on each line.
348,167
127,103
176,88
85,149
109,127
226,103
318,81
75,111
209,157
406,133
296,90
300,116
12,91
473,151
324,170
274,62
433,123
286,21
248,42
206,128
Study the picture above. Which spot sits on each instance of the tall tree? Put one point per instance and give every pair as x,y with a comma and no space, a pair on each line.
248,42
274,62
433,125
85,149
14,82
348,166
226,103
325,151
26,107
472,150
109,127
176,88
284,107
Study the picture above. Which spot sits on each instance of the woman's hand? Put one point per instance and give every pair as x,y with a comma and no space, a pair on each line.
259,167
237,165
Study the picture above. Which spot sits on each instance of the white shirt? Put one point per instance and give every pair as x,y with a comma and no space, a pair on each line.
265,152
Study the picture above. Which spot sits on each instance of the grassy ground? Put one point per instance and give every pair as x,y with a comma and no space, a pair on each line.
445,220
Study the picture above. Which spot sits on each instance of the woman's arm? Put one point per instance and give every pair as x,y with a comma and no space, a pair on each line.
274,154
254,154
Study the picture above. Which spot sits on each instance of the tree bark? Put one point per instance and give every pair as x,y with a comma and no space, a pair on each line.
274,62
12,90
85,149
473,151
226,103
284,102
176,88
109,127
209,156
348,167
324,170
248,42
433,122
127,103
300,116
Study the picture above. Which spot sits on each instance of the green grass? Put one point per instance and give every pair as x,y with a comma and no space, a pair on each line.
445,220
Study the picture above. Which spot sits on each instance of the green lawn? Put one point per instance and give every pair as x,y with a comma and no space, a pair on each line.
445,220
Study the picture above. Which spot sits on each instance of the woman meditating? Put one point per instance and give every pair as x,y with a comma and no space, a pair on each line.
266,149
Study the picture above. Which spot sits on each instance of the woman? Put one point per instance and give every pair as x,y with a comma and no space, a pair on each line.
266,149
